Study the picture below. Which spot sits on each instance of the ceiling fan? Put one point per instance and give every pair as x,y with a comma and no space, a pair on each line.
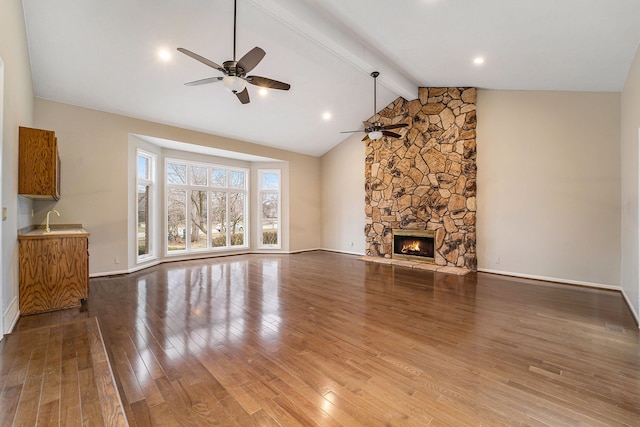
376,130
235,72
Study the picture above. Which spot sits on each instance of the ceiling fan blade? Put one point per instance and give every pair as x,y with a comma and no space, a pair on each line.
352,131
368,125
202,59
243,96
391,134
204,81
366,137
268,83
252,58
396,126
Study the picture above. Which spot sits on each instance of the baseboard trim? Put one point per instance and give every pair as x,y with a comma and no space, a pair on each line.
552,279
300,251
11,315
633,311
112,273
339,251
178,259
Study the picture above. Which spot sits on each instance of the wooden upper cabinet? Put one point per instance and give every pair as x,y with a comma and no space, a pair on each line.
39,164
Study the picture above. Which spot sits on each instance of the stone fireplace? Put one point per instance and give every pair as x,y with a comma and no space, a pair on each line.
413,245
425,180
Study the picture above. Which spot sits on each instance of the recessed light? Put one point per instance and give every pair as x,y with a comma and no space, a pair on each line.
479,60
326,116
164,55
263,92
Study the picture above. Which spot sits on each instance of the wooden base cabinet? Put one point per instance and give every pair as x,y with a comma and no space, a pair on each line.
54,272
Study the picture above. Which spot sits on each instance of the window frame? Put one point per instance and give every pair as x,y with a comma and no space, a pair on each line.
151,225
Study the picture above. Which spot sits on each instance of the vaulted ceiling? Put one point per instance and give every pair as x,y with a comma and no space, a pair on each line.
104,55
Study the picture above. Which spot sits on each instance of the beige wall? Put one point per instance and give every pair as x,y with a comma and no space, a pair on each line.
17,96
548,186
343,215
94,149
630,140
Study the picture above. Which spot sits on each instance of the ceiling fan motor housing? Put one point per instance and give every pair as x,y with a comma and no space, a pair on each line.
232,69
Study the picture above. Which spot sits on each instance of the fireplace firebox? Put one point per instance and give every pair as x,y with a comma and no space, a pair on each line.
414,245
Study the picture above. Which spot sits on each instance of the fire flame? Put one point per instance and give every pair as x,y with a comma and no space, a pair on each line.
411,247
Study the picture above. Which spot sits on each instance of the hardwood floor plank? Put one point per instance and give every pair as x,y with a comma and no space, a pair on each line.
140,414
27,410
49,409
70,413
179,409
229,382
132,390
161,416
321,338
109,398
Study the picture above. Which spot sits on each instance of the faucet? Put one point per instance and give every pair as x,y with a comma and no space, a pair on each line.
46,228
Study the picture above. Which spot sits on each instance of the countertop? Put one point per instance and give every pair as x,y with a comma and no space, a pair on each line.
57,230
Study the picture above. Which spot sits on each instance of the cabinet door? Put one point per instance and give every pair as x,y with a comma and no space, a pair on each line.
53,273
38,167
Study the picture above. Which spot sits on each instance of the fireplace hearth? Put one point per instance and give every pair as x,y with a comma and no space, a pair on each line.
414,245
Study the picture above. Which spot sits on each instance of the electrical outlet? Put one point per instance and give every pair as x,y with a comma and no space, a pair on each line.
116,260
498,260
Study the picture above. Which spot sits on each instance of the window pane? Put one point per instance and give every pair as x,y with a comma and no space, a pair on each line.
270,219
236,218
176,174
143,167
218,177
236,179
218,209
143,219
199,219
269,181
176,220
198,175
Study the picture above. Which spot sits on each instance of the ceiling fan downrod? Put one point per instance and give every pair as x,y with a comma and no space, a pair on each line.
235,14
375,75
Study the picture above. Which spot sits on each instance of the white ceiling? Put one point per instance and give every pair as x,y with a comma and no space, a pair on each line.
103,55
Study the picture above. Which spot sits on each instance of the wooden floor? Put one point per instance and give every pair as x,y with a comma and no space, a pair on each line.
58,375
326,339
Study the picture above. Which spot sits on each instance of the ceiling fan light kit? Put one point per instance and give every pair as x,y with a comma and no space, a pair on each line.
374,135
376,130
235,72
233,84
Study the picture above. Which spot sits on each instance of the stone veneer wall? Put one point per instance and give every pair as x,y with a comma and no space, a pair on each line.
427,178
